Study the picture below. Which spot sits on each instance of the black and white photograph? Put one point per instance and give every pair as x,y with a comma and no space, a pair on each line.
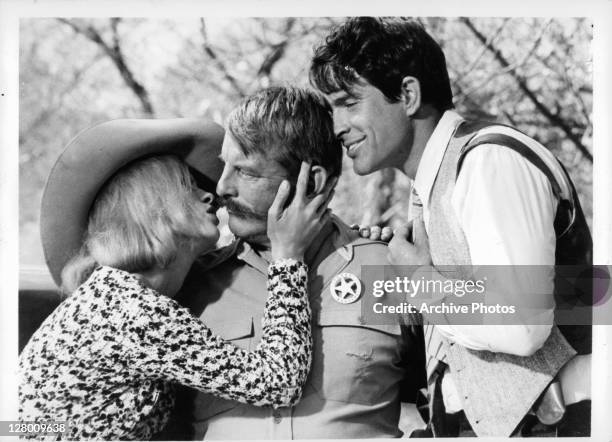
265,220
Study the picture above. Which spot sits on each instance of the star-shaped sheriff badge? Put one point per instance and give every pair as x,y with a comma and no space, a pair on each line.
345,288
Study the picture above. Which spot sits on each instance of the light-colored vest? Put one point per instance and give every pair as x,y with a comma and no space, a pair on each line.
497,389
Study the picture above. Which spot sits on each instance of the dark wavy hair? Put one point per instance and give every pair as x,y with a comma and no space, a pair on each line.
382,51
289,125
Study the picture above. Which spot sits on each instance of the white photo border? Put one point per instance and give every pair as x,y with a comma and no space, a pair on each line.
11,11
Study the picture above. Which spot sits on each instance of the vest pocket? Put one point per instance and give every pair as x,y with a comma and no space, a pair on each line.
355,362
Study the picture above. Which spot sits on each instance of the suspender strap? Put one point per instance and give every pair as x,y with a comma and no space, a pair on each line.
566,212
516,145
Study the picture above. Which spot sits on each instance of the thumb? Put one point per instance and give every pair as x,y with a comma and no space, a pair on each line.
403,231
279,200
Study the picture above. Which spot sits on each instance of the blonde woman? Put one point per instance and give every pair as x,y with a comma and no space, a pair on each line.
106,359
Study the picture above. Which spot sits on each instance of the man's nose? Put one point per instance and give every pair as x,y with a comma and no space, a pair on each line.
225,185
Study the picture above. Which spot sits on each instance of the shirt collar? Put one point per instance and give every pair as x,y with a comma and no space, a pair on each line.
335,228
433,154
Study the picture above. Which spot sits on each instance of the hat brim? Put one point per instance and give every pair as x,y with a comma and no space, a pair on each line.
97,153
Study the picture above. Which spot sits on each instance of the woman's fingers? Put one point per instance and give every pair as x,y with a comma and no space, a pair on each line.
301,185
375,232
325,217
320,202
387,234
330,190
330,186
279,200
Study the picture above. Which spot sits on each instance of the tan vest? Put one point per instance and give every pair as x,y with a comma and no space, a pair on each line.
497,389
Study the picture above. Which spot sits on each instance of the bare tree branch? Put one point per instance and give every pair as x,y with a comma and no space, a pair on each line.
277,51
115,53
554,117
481,54
473,110
510,118
127,74
208,49
536,43
509,68
56,102
570,84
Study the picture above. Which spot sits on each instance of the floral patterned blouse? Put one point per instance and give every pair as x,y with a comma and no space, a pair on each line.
106,359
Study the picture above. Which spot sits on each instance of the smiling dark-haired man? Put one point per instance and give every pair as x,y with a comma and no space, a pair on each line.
483,194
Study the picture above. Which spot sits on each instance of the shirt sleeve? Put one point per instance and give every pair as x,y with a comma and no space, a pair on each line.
506,209
168,343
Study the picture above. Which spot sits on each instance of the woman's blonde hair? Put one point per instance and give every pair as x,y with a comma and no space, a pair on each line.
139,220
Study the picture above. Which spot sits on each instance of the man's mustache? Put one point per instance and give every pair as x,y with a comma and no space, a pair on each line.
238,209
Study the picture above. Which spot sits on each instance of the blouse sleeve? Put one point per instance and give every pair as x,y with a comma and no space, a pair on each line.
167,342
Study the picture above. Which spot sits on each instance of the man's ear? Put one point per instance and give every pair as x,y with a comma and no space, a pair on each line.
316,180
411,95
